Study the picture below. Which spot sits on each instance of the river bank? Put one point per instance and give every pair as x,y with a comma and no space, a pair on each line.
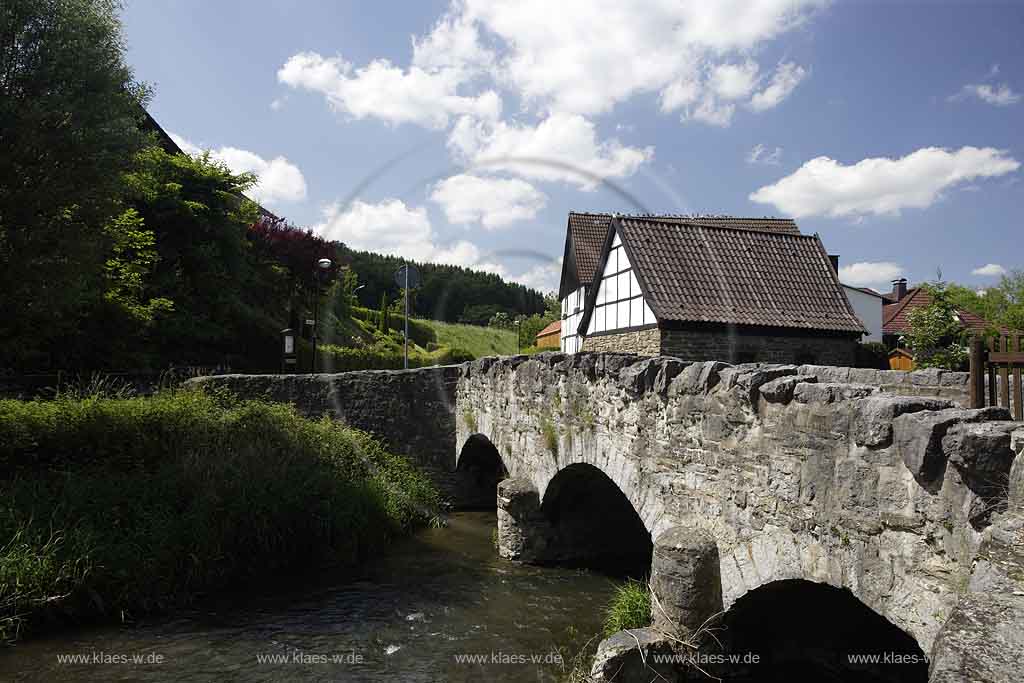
115,508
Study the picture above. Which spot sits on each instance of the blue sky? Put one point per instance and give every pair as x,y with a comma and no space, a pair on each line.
463,132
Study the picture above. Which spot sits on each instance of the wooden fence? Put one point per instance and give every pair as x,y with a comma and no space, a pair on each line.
996,368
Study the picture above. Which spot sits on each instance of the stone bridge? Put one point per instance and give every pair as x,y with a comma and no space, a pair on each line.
759,490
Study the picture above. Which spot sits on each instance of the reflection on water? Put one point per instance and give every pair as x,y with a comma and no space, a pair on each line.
434,600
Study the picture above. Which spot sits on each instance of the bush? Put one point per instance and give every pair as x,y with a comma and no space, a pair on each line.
630,607
113,507
872,355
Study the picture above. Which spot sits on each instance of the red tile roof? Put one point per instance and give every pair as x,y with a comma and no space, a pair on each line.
553,328
895,316
703,271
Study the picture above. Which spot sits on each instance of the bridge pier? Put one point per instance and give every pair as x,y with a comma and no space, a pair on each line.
686,581
524,534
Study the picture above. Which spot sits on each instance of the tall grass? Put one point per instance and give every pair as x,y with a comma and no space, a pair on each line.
630,607
476,339
111,507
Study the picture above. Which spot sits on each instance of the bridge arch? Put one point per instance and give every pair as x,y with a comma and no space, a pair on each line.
478,469
594,524
803,630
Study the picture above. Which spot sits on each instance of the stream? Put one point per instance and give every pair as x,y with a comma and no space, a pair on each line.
440,606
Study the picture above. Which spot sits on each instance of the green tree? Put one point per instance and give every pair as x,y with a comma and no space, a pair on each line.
230,302
936,337
69,126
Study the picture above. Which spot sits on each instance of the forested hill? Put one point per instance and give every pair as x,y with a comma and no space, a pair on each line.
449,293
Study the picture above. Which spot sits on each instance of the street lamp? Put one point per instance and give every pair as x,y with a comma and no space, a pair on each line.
516,323
322,266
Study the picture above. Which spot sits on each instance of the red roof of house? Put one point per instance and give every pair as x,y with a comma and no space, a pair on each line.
553,328
895,320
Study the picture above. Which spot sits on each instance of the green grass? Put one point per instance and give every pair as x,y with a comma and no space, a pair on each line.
629,608
476,339
114,507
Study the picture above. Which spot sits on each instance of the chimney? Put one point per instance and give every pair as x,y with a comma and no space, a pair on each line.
834,258
899,289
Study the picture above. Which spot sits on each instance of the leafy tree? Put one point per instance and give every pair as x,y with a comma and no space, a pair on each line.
69,126
230,300
936,337
1002,304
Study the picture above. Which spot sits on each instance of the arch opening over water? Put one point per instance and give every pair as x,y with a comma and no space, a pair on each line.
594,524
478,471
806,631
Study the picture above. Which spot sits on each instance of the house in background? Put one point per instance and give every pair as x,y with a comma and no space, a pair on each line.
549,337
895,315
867,304
707,288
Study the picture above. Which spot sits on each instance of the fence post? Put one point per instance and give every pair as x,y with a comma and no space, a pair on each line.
977,372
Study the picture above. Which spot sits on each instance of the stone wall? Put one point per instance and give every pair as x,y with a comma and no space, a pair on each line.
641,342
412,411
737,345
730,345
797,472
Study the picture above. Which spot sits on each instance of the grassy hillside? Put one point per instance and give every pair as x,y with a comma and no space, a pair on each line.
478,340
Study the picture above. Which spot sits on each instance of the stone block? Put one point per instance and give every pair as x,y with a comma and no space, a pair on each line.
781,390
697,379
873,420
831,392
981,641
917,438
628,657
651,374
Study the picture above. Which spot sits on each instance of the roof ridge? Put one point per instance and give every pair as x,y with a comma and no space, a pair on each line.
677,222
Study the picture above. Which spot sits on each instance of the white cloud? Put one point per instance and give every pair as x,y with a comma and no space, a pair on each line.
990,270
1000,95
552,150
391,227
584,56
826,187
787,76
277,103
868,273
762,155
734,81
388,92
277,179
494,202
571,57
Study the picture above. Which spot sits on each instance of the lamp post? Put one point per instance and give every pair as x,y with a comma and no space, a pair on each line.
321,267
516,323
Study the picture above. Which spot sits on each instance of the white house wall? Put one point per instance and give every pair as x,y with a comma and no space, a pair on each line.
869,310
619,304
572,311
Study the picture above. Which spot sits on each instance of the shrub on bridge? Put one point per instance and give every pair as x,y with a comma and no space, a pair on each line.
111,507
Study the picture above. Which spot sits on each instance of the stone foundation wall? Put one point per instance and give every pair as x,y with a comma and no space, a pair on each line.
641,342
734,346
